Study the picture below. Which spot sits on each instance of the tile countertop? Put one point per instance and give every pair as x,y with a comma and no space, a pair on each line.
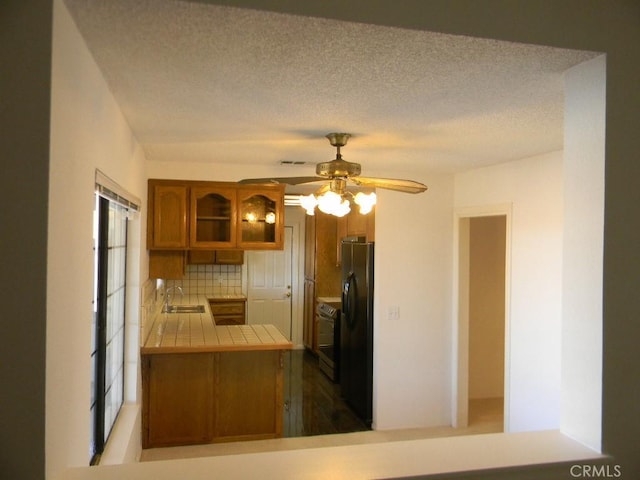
223,298
197,332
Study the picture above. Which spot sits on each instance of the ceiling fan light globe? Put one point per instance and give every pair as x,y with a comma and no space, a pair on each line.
309,203
342,209
333,204
329,201
365,201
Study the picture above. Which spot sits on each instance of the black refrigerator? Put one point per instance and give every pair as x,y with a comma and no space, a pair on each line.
356,326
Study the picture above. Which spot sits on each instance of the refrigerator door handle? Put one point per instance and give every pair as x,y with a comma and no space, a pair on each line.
348,299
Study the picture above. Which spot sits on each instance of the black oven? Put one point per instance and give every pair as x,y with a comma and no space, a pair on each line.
328,318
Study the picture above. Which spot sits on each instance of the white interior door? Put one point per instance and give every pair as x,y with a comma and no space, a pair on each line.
269,286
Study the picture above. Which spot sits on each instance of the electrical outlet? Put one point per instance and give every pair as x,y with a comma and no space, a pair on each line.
394,313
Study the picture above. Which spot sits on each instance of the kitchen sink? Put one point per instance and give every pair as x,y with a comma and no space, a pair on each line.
183,309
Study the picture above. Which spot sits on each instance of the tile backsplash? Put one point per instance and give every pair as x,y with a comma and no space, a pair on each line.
210,280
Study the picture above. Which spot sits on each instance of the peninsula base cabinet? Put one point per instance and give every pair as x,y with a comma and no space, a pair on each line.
196,398
178,394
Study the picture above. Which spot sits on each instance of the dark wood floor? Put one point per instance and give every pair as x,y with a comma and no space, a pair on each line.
312,402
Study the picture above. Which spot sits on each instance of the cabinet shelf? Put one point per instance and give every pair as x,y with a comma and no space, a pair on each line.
213,219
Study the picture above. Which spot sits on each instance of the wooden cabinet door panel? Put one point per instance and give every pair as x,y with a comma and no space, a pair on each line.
179,399
227,308
228,312
308,331
310,246
169,226
167,264
244,378
229,257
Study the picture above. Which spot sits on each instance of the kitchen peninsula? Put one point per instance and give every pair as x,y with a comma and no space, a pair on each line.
205,383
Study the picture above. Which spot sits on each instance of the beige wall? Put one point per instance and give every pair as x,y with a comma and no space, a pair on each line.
487,245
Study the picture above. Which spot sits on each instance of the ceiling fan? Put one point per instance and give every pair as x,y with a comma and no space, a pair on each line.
340,171
331,197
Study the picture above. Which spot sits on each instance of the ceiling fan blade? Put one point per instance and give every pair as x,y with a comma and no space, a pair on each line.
285,180
406,186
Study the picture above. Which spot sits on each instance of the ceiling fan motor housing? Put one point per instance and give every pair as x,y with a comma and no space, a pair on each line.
338,168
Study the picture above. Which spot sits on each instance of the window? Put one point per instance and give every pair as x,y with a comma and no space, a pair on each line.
107,356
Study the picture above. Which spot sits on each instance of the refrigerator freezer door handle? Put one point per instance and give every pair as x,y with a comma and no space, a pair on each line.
348,297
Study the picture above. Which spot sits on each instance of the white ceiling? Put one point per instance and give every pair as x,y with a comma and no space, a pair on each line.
206,83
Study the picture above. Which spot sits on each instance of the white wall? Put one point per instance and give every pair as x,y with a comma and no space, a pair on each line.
583,251
534,188
88,131
413,257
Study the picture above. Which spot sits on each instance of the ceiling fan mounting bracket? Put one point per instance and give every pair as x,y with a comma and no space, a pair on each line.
338,139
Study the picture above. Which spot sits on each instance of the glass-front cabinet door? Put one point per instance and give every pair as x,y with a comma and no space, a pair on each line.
261,217
213,217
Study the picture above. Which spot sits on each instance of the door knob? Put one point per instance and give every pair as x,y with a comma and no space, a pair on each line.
288,294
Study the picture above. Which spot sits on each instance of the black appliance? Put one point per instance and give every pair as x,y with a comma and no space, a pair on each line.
356,326
328,318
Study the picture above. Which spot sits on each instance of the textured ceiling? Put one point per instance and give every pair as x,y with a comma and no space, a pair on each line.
210,83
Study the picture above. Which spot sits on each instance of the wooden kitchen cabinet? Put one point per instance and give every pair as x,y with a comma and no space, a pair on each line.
309,337
229,257
261,212
190,215
178,394
244,379
228,311
215,257
196,398
206,386
213,217
322,271
167,218
185,216
167,264
355,225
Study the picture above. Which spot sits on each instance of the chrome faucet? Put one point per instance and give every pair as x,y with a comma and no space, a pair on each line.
168,297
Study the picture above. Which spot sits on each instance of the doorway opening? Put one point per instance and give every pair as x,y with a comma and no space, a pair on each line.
482,387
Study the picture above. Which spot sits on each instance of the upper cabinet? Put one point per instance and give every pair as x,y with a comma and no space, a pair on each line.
356,225
213,217
260,218
186,215
167,220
